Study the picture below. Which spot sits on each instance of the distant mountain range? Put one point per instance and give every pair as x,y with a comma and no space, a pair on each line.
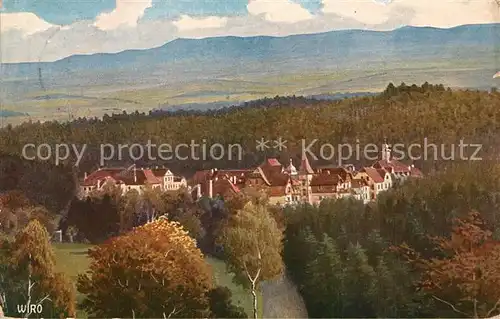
465,56
349,47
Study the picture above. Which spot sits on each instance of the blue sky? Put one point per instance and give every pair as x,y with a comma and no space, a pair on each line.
63,12
60,11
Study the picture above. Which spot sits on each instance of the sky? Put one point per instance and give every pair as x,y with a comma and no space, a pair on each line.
48,30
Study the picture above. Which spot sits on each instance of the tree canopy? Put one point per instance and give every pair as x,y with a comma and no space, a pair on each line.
154,270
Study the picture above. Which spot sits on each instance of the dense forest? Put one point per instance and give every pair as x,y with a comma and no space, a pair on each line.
426,248
339,253
403,114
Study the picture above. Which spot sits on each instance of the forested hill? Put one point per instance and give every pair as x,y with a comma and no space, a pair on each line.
404,114
41,182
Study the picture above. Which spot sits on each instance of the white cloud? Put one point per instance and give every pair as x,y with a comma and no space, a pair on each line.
435,13
24,36
368,11
187,23
447,13
279,11
26,22
127,13
83,38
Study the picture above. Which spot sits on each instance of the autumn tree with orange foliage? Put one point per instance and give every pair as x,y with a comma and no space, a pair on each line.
154,271
466,278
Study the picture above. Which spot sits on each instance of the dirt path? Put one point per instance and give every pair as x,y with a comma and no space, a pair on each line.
282,300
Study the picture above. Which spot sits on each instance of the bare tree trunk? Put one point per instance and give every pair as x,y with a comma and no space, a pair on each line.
253,281
475,309
3,303
254,294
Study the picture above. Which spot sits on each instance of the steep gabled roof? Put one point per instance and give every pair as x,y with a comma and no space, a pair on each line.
138,177
101,175
279,179
374,174
305,166
223,186
151,178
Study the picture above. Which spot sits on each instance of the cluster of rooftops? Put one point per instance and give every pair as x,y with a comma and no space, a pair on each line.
283,183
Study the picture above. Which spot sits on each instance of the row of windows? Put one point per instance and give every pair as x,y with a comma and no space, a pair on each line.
383,186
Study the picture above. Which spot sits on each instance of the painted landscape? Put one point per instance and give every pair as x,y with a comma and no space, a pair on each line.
249,159
213,73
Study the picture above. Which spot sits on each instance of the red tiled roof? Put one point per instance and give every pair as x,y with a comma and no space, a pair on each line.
278,179
151,178
259,173
382,172
305,166
335,170
224,187
324,184
137,177
272,162
325,180
101,175
394,166
374,174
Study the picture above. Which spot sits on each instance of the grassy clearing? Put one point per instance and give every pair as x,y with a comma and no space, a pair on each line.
72,259
241,296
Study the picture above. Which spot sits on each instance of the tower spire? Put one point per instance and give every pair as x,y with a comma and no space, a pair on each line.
386,151
305,167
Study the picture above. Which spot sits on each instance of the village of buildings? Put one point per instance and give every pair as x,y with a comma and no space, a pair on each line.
285,184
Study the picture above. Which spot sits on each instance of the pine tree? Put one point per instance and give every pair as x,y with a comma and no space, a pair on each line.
325,280
360,281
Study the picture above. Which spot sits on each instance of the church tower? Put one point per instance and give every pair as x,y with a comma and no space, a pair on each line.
291,170
386,152
306,174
